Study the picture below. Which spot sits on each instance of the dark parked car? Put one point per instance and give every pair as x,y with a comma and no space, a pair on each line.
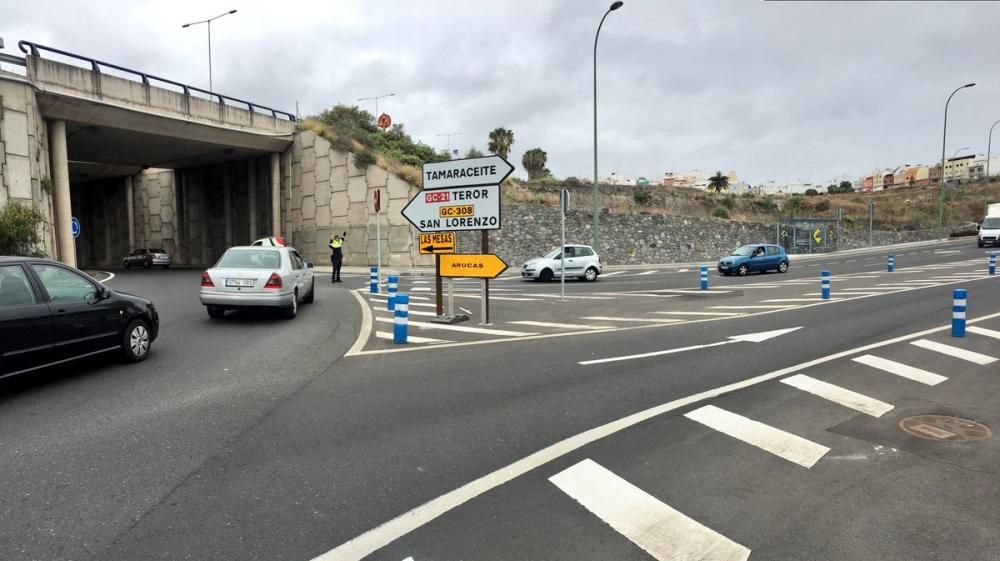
758,257
147,257
51,313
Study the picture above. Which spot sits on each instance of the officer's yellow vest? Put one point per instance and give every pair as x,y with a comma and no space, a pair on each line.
336,244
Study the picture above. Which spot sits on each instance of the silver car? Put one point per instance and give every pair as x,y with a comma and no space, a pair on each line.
581,262
258,277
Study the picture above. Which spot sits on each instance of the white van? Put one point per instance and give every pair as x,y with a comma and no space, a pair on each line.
989,230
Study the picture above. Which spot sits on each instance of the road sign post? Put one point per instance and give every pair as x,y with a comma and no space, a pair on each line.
563,207
484,300
438,300
378,234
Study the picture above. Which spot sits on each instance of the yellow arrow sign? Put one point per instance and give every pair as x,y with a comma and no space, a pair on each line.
437,242
818,235
478,266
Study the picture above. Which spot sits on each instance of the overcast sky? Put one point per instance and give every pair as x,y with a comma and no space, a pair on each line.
772,90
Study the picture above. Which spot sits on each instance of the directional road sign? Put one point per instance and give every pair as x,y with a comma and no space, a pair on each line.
490,170
456,208
439,242
818,235
75,227
479,266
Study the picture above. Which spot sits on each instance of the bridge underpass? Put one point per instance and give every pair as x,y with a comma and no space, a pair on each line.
145,166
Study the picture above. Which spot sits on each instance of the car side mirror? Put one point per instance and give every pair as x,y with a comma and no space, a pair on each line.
558,257
309,265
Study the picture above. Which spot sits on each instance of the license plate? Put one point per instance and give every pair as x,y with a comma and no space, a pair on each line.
240,283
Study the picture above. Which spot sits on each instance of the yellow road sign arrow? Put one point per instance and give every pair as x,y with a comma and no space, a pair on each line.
818,235
479,266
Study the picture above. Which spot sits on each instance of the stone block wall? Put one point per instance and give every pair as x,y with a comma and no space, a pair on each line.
24,154
100,208
330,194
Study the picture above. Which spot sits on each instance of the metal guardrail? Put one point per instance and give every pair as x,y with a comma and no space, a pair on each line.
27,47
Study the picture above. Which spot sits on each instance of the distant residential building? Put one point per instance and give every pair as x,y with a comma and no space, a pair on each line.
977,169
957,169
934,174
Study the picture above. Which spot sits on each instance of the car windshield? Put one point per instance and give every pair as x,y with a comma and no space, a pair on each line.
744,250
553,253
250,259
157,250
992,223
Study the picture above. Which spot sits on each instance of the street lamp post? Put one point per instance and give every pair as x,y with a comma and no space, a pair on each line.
944,140
986,186
376,98
448,135
596,228
209,22
953,156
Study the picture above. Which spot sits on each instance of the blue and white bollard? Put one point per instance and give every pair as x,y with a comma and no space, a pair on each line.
393,286
958,305
704,277
373,280
825,284
891,263
993,263
401,319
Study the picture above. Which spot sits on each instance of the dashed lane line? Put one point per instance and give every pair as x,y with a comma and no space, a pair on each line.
783,444
559,325
796,299
664,533
701,313
749,307
640,320
900,369
956,352
983,331
842,396
410,338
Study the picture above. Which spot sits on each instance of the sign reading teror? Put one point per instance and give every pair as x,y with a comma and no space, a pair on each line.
457,208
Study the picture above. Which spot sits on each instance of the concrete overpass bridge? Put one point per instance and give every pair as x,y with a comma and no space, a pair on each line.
141,160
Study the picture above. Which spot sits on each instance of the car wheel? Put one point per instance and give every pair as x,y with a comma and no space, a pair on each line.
166,266
545,275
590,275
136,341
742,270
980,244
311,295
783,267
215,312
293,310
126,264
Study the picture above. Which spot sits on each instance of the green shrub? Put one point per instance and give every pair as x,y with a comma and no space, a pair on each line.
823,206
812,192
642,196
728,201
720,212
573,181
19,230
364,158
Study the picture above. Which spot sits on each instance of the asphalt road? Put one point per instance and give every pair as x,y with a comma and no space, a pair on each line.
252,438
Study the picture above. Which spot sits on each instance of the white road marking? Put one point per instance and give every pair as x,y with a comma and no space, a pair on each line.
956,352
409,338
561,325
859,276
645,320
412,304
467,312
701,313
464,329
420,288
839,395
572,297
850,261
746,338
747,307
911,285
797,299
110,276
866,289
783,444
683,270
647,273
366,326
507,298
611,274
695,291
391,530
664,533
900,369
983,331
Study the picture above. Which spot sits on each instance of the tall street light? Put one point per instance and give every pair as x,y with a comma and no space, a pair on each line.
209,22
449,135
944,140
953,156
376,98
596,229
986,186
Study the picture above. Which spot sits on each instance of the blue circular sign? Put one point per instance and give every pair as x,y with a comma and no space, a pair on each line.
75,227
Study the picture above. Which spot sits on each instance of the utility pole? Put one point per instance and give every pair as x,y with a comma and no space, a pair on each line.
209,21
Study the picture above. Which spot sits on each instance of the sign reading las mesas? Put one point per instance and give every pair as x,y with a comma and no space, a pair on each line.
489,170
456,208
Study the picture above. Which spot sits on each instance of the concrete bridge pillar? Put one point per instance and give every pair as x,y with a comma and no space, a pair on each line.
276,194
130,210
66,247
227,204
252,196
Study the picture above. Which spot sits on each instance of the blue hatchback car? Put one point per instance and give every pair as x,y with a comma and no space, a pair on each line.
758,257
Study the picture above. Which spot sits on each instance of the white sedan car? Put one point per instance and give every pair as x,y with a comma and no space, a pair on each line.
258,277
581,262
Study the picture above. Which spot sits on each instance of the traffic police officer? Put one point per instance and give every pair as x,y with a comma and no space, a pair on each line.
337,255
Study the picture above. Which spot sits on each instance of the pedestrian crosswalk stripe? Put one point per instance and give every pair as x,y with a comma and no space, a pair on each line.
900,369
783,444
410,338
663,532
382,303
956,352
983,331
461,328
839,395
645,320
560,325
814,299
767,307
506,298
572,297
701,313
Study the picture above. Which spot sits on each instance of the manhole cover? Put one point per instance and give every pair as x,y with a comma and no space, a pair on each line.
941,427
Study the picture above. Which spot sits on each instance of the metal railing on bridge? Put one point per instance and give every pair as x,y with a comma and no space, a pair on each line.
34,49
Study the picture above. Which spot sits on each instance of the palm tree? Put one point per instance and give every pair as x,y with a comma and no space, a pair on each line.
718,182
501,140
